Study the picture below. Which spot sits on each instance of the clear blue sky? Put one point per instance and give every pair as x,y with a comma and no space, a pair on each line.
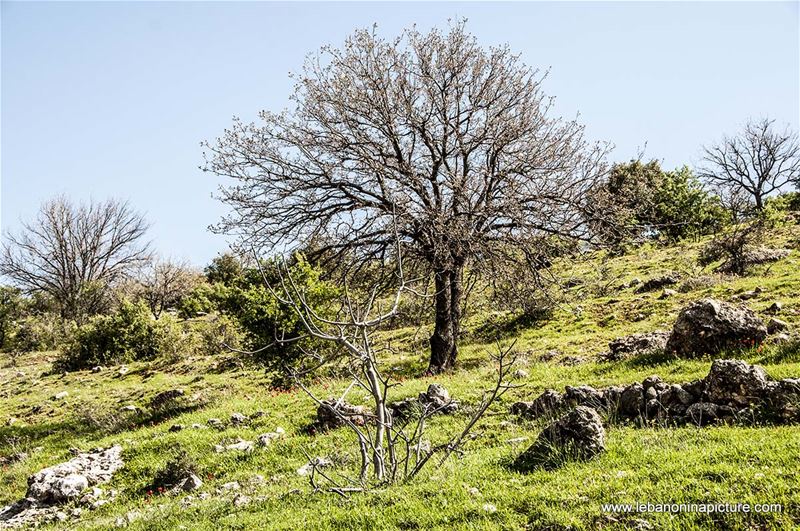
112,99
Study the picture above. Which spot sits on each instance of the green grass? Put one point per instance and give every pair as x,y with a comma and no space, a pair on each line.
686,465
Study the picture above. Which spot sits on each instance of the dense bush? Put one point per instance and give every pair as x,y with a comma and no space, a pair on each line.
219,334
128,334
642,201
250,315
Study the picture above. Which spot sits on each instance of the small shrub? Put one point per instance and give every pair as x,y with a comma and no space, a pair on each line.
129,334
178,467
219,333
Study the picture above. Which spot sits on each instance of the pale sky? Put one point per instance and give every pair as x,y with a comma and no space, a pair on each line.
112,99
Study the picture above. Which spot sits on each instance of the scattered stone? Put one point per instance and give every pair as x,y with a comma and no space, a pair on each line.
775,307
190,483
238,446
216,423
571,361
265,439
129,409
779,339
578,435
241,500
520,373
230,486
123,371
98,368
760,255
176,427
746,295
667,293
257,415
775,326
659,282
14,458
61,396
165,397
489,508
636,345
318,462
196,426
438,398
237,419
334,414
549,355
709,326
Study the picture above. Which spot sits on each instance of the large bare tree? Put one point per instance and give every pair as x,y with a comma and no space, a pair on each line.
74,252
454,141
163,283
757,162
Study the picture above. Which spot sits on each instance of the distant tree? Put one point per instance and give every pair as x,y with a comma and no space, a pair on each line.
75,252
11,304
449,143
225,268
165,283
759,161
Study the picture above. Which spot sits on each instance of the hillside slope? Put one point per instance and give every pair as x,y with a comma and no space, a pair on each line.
476,491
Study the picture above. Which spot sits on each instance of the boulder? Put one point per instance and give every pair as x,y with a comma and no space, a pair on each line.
438,398
65,481
545,405
190,483
578,435
238,419
631,401
709,326
735,382
702,413
636,345
782,401
583,395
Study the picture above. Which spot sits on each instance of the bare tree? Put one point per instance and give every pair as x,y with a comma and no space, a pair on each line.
164,283
75,252
392,448
453,139
757,162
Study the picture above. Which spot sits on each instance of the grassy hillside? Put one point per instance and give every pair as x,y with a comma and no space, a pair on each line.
476,491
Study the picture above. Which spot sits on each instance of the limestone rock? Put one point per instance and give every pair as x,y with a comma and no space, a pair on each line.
578,435
709,326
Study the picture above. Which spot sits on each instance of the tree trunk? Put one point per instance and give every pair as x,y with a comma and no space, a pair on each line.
444,341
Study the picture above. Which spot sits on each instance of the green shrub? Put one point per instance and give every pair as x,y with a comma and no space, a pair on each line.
128,334
219,333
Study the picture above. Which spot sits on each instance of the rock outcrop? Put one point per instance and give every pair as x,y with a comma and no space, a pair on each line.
54,486
333,414
636,345
709,326
733,391
578,435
